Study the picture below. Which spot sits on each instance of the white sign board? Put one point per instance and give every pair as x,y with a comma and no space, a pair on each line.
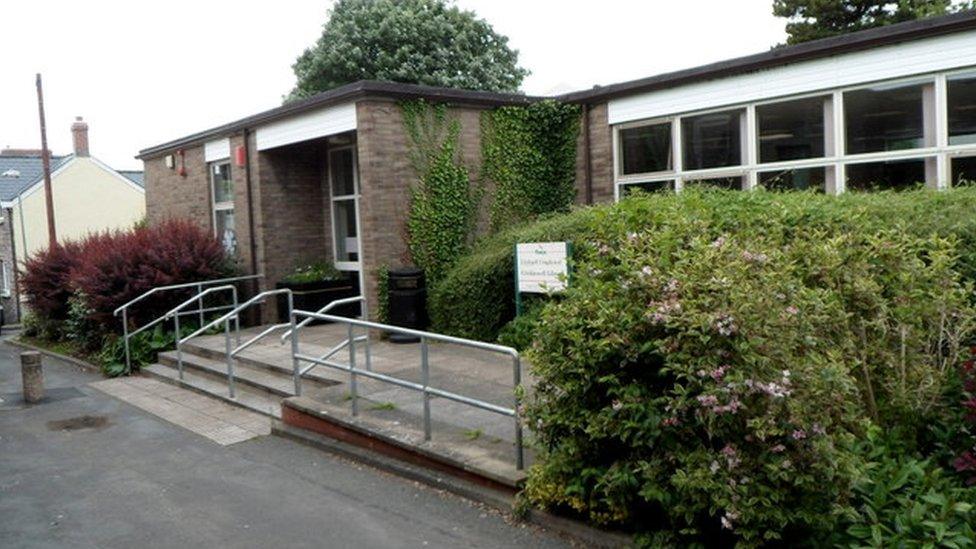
541,267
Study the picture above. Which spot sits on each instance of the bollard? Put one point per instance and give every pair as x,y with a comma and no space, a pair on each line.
33,377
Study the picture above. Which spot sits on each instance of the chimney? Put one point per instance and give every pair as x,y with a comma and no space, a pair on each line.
79,133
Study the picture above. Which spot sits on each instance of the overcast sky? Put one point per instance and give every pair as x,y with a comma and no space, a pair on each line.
142,73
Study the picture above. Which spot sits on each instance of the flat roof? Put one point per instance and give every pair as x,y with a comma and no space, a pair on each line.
856,41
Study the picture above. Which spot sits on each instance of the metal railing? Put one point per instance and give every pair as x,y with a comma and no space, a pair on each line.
201,311
424,386
342,345
225,320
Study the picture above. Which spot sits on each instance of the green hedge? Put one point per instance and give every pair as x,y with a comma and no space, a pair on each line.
476,297
709,374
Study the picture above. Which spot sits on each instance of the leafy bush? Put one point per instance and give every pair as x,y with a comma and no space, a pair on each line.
477,296
718,354
46,280
120,266
902,501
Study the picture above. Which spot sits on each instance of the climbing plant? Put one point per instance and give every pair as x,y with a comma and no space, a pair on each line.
529,153
444,204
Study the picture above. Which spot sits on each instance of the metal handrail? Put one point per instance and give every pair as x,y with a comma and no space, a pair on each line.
322,311
225,320
175,314
422,387
199,285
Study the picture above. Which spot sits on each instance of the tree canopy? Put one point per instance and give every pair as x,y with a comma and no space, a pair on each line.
814,19
429,42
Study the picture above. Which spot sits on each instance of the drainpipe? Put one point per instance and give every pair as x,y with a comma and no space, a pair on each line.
587,168
250,209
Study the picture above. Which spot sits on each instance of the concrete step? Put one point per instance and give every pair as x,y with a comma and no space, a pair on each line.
281,364
246,397
269,381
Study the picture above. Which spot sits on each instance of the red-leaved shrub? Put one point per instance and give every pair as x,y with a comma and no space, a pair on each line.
46,280
118,267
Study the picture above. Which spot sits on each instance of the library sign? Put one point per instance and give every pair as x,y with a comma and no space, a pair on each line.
540,268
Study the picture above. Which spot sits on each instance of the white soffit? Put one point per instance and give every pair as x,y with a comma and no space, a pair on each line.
884,63
310,125
216,150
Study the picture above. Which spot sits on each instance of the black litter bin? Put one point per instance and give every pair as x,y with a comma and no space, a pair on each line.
407,302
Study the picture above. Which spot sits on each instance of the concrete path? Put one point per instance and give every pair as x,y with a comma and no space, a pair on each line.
84,469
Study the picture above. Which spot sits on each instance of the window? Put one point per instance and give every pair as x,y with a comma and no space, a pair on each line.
964,171
342,173
791,130
878,176
961,91
713,140
797,179
222,187
729,183
652,187
645,149
886,118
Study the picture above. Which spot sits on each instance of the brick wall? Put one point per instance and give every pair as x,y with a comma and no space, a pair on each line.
601,157
386,176
170,195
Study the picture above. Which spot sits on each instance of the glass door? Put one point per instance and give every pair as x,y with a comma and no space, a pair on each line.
344,183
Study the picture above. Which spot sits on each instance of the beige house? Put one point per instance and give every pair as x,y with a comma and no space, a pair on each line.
89,196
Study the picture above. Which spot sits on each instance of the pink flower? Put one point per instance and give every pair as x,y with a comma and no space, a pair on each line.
718,242
799,434
707,400
779,449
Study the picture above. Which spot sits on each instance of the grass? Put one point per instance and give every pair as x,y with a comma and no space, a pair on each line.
473,434
383,406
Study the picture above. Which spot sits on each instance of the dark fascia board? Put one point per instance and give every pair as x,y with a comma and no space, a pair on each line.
349,92
862,40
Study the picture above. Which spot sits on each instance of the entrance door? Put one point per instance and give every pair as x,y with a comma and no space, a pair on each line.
344,182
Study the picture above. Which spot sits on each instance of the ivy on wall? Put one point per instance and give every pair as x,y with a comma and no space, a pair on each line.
444,205
530,154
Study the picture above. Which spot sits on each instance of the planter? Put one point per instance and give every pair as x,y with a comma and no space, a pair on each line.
312,296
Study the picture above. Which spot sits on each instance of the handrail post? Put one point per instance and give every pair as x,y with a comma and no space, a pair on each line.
179,348
237,317
425,380
230,360
200,302
125,339
352,372
295,365
517,381
363,314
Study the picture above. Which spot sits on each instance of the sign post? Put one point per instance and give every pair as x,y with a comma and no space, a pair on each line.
540,268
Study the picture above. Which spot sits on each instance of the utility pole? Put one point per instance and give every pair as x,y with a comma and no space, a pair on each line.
46,161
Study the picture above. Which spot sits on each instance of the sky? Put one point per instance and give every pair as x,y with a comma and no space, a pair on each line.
142,73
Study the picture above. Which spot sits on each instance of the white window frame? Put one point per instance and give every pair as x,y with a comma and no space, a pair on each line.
346,265
835,159
221,206
6,275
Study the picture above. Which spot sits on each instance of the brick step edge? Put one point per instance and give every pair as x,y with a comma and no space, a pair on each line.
501,500
171,376
208,367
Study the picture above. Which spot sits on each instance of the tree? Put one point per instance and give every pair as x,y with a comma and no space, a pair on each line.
427,42
814,19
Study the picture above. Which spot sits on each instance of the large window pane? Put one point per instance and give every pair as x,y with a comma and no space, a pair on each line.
798,179
712,140
962,110
876,176
343,174
651,187
964,171
884,118
728,183
645,149
791,130
223,185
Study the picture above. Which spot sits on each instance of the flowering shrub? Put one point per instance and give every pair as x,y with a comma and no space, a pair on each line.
704,381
